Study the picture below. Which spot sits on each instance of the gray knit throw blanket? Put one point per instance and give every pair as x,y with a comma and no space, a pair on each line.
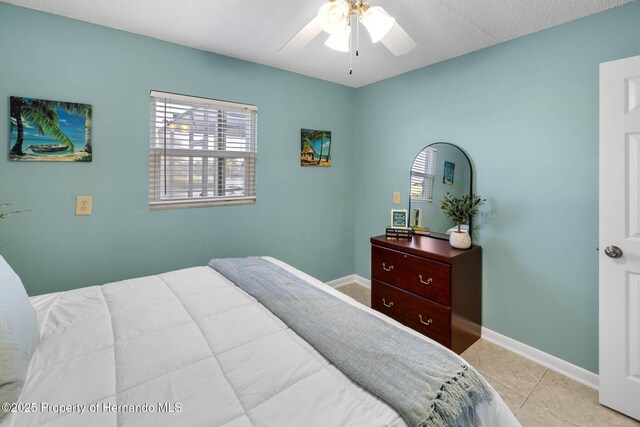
423,381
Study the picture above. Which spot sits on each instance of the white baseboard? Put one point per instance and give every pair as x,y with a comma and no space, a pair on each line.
554,363
351,278
341,281
362,281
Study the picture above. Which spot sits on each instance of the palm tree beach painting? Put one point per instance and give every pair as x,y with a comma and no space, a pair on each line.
449,170
315,147
49,131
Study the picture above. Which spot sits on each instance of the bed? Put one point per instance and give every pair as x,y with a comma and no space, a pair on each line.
190,348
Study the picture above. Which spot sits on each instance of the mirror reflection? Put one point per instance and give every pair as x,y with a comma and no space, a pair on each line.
438,169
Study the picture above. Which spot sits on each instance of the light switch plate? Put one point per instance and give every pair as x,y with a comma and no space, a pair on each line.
396,198
83,205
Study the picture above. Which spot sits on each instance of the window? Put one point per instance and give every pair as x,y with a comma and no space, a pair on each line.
422,175
202,152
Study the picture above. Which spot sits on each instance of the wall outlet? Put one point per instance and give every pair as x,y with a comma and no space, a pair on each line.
396,198
83,205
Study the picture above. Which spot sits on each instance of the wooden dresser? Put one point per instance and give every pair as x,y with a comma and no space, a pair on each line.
429,286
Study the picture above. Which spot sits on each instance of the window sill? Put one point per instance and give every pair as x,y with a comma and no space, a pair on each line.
185,204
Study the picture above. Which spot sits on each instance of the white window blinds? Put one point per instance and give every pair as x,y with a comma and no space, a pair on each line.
202,152
423,174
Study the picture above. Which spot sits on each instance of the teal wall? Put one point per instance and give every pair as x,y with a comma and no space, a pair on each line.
526,112
302,216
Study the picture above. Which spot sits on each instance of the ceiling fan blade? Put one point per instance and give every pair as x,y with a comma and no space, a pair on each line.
398,41
304,36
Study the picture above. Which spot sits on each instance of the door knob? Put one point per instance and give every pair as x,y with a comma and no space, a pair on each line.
613,251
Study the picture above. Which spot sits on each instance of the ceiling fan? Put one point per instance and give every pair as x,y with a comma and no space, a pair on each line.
335,18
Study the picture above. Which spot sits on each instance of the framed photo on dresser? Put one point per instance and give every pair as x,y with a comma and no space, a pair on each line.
399,218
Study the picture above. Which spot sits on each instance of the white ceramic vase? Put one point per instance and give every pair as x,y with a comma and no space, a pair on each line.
460,240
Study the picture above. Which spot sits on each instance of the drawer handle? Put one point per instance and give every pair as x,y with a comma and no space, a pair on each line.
384,302
384,267
428,282
428,322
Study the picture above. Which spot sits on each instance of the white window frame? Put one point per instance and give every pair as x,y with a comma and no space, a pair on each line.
163,153
427,175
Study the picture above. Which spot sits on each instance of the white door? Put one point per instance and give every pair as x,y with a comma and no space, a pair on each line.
620,235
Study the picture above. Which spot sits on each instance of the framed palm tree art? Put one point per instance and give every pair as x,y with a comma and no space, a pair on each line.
43,130
315,147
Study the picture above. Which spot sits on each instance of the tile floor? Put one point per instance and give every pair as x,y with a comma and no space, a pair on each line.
536,395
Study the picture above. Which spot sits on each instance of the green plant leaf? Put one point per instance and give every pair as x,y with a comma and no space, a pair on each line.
6,214
460,208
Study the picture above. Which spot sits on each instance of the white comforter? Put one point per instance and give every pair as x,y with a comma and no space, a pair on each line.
188,348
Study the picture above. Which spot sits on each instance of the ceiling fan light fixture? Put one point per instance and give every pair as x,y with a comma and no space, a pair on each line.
334,16
378,22
339,41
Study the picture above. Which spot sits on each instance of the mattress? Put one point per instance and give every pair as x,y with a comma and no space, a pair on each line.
189,348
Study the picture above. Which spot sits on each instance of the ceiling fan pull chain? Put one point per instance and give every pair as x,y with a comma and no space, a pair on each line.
350,48
357,35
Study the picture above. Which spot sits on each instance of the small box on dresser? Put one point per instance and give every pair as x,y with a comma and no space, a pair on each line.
429,286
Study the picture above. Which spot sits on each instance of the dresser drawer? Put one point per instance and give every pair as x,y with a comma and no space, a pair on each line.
421,276
424,316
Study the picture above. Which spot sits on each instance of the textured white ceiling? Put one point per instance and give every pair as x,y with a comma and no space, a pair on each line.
254,30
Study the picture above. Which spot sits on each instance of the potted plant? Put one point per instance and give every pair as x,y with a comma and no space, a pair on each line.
460,209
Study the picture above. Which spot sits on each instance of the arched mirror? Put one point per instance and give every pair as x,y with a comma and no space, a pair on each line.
438,169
